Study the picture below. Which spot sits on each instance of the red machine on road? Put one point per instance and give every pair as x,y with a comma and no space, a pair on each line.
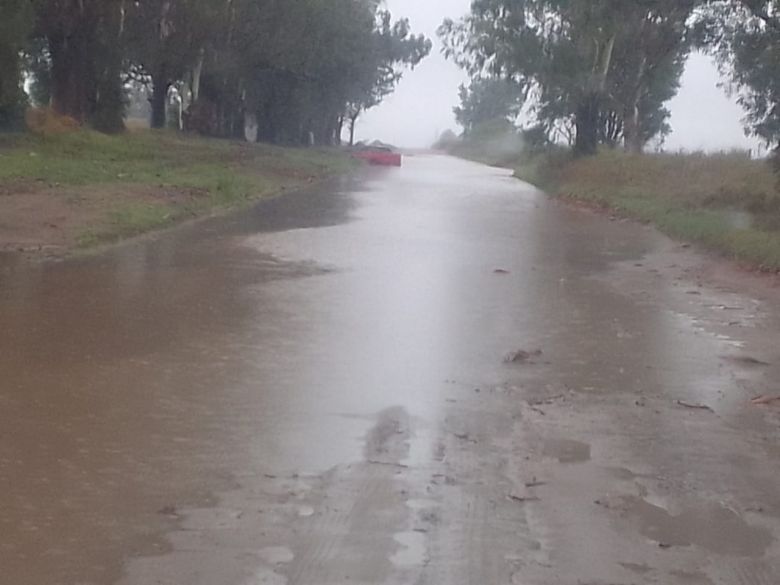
378,155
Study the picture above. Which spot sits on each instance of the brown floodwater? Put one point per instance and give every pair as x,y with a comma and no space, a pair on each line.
314,391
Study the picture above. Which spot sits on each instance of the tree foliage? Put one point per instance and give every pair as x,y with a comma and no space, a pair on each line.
745,35
489,99
606,66
295,69
15,23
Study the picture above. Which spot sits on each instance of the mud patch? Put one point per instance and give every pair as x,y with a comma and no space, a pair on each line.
566,451
636,568
714,528
387,442
266,577
52,218
689,578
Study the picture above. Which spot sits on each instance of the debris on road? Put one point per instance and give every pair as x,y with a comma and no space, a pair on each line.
501,271
694,406
168,511
522,357
764,399
522,499
745,360
550,400
465,437
387,463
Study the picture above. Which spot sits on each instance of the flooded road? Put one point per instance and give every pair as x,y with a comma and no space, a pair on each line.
315,391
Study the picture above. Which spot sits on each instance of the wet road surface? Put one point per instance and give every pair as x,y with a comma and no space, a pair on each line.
315,391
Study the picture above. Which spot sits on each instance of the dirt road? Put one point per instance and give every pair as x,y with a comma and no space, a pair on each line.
431,375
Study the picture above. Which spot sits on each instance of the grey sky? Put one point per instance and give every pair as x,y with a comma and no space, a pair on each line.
703,117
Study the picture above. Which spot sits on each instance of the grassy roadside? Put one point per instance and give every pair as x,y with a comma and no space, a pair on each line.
83,189
725,202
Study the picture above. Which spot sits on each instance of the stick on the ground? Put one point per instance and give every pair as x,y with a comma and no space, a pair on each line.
695,406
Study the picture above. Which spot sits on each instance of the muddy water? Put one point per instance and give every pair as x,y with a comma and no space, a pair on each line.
313,391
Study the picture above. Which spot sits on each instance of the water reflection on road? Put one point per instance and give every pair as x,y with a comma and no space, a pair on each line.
151,379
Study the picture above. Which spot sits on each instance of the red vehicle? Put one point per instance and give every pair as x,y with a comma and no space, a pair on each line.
379,155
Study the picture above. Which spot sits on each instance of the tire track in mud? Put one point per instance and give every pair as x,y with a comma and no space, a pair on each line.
335,527
352,539
483,534
754,575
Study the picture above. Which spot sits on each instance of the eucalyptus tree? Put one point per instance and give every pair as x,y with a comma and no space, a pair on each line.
574,54
14,28
391,48
85,48
745,35
489,99
166,43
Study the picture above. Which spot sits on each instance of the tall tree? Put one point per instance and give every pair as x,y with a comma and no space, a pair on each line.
391,48
745,35
84,45
653,45
167,41
569,52
14,27
488,100
292,68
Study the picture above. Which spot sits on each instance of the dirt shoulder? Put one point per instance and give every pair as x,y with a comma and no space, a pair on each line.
77,191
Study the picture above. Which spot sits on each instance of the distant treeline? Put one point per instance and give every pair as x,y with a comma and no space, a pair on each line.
602,72
296,70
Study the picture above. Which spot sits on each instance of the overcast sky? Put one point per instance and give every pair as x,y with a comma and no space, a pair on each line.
703,117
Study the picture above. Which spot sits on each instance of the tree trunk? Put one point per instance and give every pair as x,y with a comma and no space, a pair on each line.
339,129
587,121
107,95
197,71
589,110
351,133
634,141
632,133
159,102
352,122
12,97
69,75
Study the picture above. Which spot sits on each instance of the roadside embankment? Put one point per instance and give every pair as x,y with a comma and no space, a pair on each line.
726,202
82,189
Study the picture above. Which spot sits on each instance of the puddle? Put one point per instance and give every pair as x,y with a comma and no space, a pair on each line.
636,568
714,528
267,577
276,555
421,504
688,578
305,511
622,473
566,451
412,552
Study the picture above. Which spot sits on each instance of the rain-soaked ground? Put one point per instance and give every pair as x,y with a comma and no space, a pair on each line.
315,392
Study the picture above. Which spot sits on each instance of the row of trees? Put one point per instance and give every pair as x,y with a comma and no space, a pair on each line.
602,71
296,69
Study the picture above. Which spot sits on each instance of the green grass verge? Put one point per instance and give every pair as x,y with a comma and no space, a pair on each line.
725,202
218,174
